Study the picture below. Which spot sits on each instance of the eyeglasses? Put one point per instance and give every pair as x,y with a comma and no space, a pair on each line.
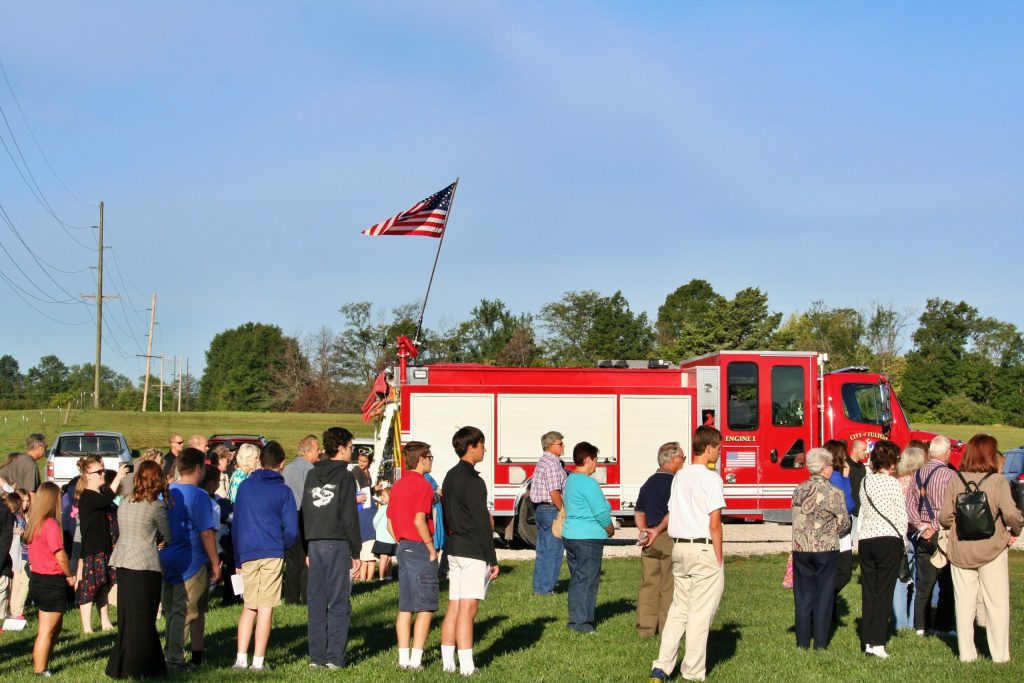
178,443
95,472
429,456
560,443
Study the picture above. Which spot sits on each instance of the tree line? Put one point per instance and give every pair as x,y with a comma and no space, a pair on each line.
961,367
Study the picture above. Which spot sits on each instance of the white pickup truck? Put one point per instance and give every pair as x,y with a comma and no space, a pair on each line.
68,447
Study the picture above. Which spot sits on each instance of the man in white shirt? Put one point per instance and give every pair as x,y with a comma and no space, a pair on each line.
695,526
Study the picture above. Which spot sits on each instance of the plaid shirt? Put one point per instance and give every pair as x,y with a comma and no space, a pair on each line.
917,511
549,475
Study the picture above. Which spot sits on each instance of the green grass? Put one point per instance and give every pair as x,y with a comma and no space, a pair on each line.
1008,437
523,638
151,429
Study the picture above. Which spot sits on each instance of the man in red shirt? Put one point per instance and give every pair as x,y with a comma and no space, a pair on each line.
411,525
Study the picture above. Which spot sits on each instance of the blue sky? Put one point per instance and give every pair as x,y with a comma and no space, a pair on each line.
853,153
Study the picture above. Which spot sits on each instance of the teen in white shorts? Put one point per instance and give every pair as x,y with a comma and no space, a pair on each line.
467,578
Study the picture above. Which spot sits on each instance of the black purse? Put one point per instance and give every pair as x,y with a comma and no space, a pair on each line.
904,574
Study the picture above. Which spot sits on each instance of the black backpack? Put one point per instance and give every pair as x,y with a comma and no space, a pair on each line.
974,520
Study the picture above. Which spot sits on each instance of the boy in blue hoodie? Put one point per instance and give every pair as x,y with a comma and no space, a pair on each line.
265,524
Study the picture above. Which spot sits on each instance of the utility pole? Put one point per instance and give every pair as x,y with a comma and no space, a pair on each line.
149,352
189,382
179,384
99,313
161,382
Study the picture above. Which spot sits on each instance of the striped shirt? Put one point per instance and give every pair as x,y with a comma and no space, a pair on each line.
917,511
549,475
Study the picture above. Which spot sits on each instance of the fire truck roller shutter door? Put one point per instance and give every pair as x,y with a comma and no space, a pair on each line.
645,423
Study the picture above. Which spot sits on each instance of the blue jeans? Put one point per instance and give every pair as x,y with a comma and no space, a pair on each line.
584,557
549,551
327,600
904,595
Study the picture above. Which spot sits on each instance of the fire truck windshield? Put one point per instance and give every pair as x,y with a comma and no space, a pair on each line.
866,402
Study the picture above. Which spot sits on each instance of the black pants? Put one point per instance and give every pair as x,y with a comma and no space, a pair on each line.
879,565
138,652
844,570
814,581
944,616
296,575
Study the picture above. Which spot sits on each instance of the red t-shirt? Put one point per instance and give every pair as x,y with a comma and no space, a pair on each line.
48,539
410,494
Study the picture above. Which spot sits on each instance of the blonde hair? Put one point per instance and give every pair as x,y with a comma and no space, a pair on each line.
247,458
45,505
83,465
153,455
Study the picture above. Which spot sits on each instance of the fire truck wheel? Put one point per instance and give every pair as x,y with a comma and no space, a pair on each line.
526,528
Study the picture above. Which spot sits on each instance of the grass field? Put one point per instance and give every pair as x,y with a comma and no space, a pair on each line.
151,429
147,430
523,638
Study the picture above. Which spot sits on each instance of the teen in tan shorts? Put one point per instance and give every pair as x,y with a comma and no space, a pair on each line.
261,580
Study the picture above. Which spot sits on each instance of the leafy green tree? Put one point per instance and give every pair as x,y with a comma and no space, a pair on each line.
493,335
240,367
936,368
835,331
585,327
49,376
695,320
12,382
366,345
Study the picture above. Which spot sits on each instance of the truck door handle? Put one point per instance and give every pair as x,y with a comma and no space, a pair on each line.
775,455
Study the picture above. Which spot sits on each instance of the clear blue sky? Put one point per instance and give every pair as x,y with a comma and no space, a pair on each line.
848,152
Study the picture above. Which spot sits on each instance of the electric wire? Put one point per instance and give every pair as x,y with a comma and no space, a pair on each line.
39,147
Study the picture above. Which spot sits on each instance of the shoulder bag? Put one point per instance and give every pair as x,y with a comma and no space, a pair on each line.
904,575
559,523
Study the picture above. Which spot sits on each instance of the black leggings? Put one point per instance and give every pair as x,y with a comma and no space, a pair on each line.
879,565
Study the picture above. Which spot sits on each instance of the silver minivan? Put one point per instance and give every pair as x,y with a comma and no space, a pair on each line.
68,447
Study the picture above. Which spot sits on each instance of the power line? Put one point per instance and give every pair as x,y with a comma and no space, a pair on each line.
39,147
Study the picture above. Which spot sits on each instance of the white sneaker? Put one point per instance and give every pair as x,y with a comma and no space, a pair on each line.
920,631
878,651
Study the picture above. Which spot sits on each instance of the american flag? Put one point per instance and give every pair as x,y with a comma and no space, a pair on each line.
740,459
425,218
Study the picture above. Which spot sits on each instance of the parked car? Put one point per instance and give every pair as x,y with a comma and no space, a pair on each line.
68,447
233,441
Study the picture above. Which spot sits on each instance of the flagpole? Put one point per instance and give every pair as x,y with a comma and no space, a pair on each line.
444,230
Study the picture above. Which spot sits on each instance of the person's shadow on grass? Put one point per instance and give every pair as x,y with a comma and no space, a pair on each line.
515,639
607,610
722,644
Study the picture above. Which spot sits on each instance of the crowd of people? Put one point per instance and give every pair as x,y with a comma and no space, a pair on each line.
164,532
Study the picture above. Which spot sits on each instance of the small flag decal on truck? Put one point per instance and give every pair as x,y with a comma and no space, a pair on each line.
740,459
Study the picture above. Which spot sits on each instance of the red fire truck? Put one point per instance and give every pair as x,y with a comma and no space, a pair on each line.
771,407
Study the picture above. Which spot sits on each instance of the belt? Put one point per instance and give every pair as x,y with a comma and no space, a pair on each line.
691,540
540,504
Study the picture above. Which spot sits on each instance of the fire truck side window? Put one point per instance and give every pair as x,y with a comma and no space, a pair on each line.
742,379
787,396
862,403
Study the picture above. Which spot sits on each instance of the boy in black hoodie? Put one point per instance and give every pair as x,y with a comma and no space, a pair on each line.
331,525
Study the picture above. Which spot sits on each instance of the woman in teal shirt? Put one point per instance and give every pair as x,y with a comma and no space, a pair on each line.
588,522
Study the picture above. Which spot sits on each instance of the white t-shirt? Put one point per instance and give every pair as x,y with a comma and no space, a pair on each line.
696,493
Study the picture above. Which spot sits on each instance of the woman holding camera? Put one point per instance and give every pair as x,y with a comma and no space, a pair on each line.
95,577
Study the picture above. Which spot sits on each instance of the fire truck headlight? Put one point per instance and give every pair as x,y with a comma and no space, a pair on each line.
516,475
730,478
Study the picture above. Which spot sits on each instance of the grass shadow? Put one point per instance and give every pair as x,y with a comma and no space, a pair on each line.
722,644
608,610
516,639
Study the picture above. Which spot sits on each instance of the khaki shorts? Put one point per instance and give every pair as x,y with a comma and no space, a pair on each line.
366,552
467,578
197,593
262,582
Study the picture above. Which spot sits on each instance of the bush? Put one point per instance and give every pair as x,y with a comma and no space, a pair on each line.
962,410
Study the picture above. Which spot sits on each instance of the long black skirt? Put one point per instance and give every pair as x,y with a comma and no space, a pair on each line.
138,651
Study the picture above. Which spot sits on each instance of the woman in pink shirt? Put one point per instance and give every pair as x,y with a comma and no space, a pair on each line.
51,573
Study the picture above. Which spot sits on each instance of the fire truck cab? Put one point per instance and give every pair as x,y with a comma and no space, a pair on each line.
773,406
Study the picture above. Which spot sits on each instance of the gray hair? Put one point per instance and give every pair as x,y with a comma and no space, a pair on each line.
248,456
939,447
550,438
817,460
33,440
668,451
911,461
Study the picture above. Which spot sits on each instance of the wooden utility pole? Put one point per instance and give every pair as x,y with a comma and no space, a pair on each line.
99,313
161,382
179,384
149,352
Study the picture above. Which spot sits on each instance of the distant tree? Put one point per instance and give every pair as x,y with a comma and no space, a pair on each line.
937,366
493,335
585,327
366,345
695,320
835,331
240,367
48,377
12,382
81,379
